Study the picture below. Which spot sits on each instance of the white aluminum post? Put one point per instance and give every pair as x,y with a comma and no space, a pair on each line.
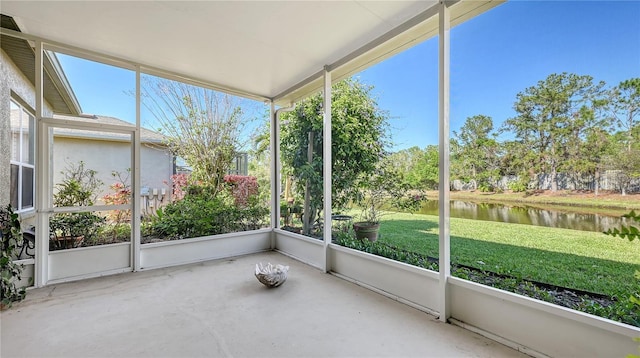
42,178
135,185
274,130
443,118
274,165
326,165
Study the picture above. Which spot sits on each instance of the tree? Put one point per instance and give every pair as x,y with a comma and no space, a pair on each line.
475,150
201,126
516,161
358,131
593,154
587,141
260,159
420,166
624,105
624,160
547,116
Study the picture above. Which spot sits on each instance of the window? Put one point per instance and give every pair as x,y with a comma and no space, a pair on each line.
22,157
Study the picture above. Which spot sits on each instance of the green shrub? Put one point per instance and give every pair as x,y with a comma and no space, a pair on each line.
66,226
78,188
202,212
113,233
347,239
518,186
10,271
631,232
628,232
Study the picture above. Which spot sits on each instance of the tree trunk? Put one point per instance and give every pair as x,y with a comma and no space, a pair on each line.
473,174
630,133
596,182
554,178
622,181
308,217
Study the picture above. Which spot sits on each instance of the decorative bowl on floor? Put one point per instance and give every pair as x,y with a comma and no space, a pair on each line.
271,275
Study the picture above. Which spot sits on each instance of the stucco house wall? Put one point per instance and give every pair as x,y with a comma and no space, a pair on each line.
105,156
12,80
100,155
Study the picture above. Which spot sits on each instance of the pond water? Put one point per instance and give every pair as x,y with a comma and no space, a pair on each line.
522,214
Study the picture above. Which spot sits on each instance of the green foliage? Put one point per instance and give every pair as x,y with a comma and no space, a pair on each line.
520,185
551,119
624,106
475,153
113,233
386,189
512,281
635,298
568,258
635,301
420,167
629,232
70,193
486,187
10,272
566,123
358,140
347,239
260,160
70,230
593,153
204,212
78,188
624,159
288,210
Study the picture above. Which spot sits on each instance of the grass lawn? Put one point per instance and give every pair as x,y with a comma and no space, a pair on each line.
581,260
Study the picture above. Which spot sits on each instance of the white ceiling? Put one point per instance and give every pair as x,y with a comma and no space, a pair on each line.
260,49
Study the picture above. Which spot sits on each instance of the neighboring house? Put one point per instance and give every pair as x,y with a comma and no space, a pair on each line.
101,151
107,152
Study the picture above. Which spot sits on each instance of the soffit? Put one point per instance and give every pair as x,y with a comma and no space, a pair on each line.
260,49
55,87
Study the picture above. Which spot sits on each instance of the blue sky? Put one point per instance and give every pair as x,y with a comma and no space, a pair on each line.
493,57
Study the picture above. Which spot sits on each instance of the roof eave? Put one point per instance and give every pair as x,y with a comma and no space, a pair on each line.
54,72
60,81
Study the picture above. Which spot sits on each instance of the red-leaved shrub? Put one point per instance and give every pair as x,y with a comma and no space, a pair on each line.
242,187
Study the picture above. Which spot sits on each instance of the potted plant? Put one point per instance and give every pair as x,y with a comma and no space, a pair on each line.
380,192
70,230
10,272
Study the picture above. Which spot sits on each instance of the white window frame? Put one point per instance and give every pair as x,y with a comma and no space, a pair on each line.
23,162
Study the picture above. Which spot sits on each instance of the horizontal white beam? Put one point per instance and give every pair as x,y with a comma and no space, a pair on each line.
130,65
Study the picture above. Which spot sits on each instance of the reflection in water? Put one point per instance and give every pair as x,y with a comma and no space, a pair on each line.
526,215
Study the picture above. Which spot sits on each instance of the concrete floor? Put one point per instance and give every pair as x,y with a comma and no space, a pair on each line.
218,308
